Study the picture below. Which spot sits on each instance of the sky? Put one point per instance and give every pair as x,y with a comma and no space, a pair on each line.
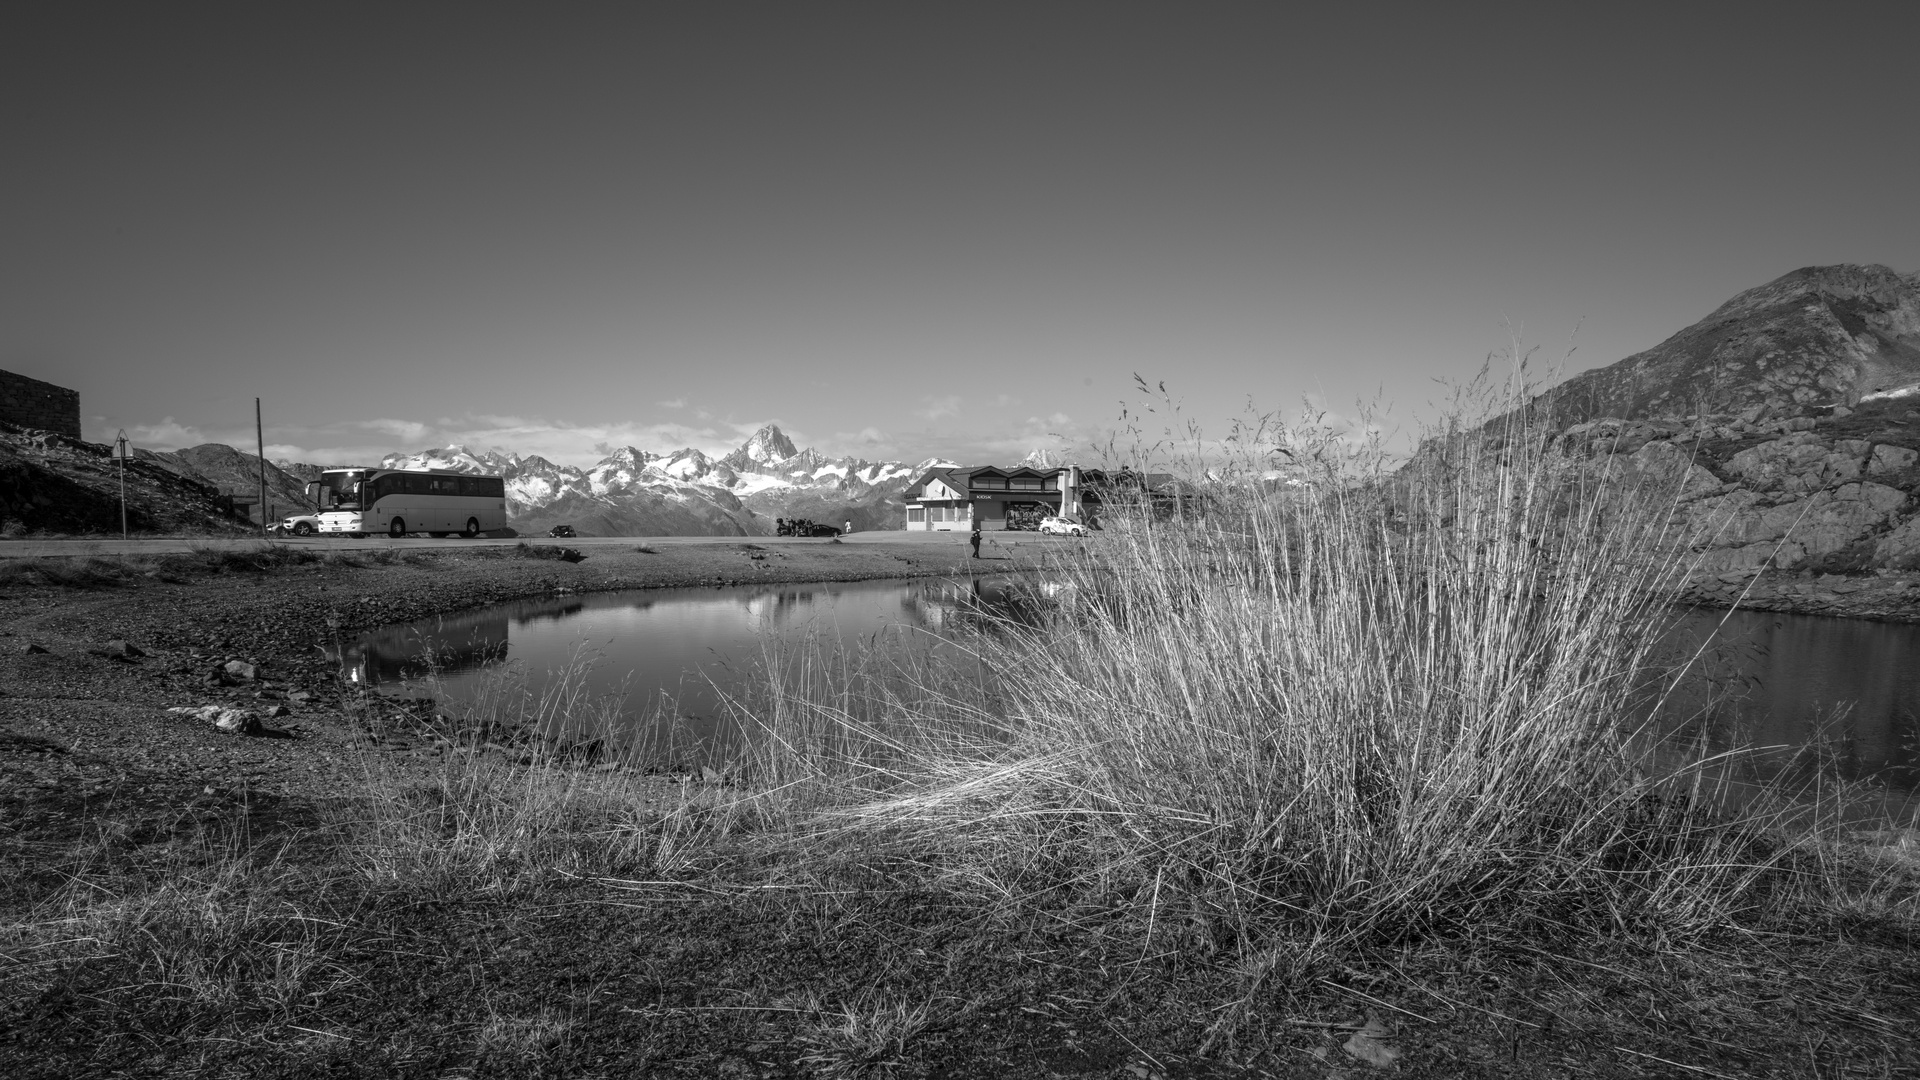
900,230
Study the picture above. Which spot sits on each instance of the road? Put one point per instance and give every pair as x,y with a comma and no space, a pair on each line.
38,548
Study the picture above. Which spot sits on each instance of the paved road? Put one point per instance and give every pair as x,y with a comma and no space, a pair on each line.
173,545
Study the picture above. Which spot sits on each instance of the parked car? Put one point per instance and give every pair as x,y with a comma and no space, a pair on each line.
298,525
1059,526
562,531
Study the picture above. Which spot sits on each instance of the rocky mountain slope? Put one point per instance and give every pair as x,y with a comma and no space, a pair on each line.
238,472
1820,336
50,483
635,492
1788,420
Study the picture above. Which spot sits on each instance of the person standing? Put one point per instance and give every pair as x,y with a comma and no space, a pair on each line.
974,536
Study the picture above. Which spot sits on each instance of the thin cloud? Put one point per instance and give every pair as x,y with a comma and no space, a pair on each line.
166,435
937,408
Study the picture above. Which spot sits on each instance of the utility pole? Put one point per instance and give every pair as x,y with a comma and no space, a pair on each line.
260,444
121,448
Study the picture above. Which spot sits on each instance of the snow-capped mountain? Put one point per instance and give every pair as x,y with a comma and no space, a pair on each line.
635,492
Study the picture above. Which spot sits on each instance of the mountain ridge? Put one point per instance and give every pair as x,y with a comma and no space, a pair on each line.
1818,336
640,492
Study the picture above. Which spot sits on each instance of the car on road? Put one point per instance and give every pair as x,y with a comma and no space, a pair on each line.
298,525
1060,526
562,531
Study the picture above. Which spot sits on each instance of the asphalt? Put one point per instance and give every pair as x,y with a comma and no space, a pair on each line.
168,545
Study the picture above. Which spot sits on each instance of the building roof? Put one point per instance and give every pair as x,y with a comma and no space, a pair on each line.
960,477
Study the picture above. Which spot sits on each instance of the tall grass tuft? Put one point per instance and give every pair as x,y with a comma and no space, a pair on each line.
1296,696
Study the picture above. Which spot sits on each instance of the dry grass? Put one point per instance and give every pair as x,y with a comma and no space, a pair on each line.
1330,708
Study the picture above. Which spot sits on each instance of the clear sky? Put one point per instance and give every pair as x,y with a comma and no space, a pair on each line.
898,230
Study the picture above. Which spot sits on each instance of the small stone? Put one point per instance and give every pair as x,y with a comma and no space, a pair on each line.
300,697
241,670
122,649
33,649
278,711
233,721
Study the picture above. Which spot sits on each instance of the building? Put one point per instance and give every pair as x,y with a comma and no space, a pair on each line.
948,499
30,403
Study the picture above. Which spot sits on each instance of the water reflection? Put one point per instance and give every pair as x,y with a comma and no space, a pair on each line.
1765,679
673,651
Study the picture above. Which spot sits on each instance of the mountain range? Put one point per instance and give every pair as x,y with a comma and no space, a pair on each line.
685,492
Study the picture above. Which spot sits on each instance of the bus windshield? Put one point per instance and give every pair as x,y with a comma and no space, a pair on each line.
340,490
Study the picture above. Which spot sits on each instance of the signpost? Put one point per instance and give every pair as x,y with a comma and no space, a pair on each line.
260,444
122,449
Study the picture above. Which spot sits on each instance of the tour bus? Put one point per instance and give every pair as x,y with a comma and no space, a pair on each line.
357,502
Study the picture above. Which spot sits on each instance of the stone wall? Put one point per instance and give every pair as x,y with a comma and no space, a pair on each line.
30,403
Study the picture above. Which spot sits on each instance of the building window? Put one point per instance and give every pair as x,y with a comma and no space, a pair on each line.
1025,483
916,513
996,483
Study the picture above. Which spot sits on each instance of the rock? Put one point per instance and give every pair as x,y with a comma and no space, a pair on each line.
239,670
1891,459
1900,549
278,711
234,721
300,697
238,722
32,649
122,649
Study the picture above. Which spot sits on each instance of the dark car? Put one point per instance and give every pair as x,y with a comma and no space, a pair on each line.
563,531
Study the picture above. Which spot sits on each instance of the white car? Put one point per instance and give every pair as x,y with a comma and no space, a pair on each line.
298,525
1059,526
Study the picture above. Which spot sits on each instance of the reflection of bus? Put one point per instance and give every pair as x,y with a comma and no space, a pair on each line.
362,501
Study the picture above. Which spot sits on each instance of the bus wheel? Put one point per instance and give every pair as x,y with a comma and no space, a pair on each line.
472,530
398,528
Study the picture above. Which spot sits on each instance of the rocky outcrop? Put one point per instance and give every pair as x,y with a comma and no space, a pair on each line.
1785,428
1817,494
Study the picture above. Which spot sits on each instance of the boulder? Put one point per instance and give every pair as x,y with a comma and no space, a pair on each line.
240,671
1891,459
122,649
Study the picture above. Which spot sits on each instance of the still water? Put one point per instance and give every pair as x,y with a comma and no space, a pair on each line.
664,653
1763,680
1782,680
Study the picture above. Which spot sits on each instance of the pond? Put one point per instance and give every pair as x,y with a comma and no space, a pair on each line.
671,653
664,653
1767,679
